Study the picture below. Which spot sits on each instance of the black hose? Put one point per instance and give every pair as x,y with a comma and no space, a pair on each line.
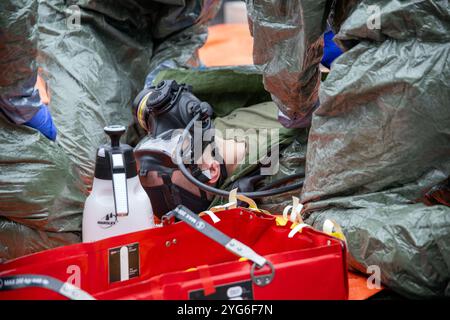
284,180
223,193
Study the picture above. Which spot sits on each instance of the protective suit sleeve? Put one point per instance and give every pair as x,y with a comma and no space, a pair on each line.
19,101
405,246
179,30
288,47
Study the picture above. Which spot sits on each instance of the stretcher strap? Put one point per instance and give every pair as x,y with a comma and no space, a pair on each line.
233,202
32,280
206,280
295,209
298,228
212,215
233,245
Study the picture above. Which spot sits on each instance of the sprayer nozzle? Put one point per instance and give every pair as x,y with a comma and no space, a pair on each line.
115,132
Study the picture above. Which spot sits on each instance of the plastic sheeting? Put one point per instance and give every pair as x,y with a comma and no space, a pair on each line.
288,47
18,43
40,194
385,105
407,245
93,69
292,162
19,101
380,139
379,144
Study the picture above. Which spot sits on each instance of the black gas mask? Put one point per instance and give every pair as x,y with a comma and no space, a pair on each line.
168,106
169,112
163,111
168,196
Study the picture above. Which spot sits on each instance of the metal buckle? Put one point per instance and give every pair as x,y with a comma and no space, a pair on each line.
263,280
168,219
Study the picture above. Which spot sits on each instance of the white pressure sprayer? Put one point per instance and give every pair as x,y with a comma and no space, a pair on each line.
117,204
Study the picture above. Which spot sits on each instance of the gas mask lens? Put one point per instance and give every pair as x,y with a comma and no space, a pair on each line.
158,156
164,147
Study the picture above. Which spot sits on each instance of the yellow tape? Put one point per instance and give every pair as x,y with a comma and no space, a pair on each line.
295,216
281,221
140,112
232,203
332,228
338,235
234,196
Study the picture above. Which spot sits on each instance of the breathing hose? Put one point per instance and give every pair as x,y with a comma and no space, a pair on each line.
223,193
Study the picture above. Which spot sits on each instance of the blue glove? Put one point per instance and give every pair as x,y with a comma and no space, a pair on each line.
42,121
331,50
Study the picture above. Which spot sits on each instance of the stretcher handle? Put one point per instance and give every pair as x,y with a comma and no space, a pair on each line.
233,245
33,280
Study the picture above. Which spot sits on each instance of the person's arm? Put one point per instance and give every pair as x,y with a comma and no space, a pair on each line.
288,46
18,52
25,107
20,101
178,32
330,51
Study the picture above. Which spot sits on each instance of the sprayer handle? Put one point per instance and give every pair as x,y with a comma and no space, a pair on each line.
115,132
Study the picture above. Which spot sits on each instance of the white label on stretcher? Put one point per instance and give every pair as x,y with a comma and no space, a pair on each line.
123,263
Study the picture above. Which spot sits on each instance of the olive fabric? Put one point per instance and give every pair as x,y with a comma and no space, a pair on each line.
259,127
224,88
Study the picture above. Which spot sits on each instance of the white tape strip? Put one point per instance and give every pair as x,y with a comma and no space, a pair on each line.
295,210
328,226
296,213
226,206
233,196
298,228
286,211
212,215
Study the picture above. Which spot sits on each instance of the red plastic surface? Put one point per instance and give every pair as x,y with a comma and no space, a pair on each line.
311,265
